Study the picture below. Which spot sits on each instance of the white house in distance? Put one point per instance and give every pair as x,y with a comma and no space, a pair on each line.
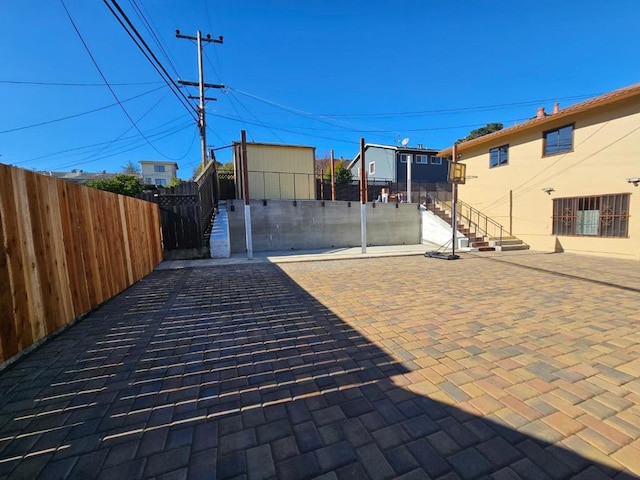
157,172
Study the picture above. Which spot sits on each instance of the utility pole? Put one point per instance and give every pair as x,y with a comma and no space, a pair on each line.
202,124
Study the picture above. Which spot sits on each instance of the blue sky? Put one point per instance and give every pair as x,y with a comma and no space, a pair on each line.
320,73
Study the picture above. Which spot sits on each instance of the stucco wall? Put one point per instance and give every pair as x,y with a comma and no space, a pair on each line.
281,225
606,152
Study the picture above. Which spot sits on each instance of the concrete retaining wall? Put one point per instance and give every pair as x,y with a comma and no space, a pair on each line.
308,225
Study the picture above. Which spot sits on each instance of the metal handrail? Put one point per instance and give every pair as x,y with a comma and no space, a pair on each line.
476,219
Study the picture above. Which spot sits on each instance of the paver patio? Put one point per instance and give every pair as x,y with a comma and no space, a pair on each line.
504,367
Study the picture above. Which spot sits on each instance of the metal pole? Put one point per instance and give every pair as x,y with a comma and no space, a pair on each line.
245,193
454,201
333,178
363,200
409,160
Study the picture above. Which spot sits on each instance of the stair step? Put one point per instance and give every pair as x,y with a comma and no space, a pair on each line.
480,244
508,242
508,248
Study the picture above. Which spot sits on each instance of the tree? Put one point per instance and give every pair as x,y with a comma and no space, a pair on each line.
479,132
131,168
341,173
121,183
174,182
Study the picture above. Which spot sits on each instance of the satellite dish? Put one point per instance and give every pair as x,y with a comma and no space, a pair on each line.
404,142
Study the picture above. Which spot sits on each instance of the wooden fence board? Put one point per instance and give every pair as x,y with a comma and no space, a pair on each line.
64,249
45,320
10,308
57,258
33,307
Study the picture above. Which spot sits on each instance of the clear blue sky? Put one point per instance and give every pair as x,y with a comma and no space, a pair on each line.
320,73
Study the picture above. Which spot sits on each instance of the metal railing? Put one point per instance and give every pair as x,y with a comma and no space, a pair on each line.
473,218
478,220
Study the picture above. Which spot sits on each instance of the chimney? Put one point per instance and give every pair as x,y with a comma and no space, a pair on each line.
556,107
540,112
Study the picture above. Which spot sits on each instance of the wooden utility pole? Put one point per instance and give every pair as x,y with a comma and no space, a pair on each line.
202,124
333,177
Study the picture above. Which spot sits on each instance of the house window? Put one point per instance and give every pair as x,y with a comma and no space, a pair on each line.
595,216
161,181
404,157
158,168
499,156
436,161
559,140
372,168
147,180
424,159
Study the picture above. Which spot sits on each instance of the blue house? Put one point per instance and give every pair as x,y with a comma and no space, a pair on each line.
387,162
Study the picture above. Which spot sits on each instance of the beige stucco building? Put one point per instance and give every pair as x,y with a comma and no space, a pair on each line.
277,171
563,181
157,172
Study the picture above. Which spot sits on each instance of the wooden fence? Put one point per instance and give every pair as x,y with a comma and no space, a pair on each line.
65,249
186,212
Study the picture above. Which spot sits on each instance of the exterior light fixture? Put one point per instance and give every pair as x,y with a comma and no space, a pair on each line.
548,190
634,180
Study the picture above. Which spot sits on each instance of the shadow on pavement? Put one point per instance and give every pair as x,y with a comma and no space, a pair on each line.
237,372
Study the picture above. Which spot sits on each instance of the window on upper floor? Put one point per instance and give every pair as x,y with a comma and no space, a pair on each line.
161,181
436,160
158,168
404,157
594,216
372,168
424,159
499,156
559,140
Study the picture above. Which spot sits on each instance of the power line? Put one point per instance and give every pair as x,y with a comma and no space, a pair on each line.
99,144
107,82
71,164
64,84
150,56
76,115
260,122
460,109
151,30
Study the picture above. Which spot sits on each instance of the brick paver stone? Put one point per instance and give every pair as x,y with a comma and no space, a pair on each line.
367,368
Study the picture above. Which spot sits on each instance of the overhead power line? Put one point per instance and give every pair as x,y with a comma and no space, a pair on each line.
76,115
104,78
150,28
142,45
65,84
100,144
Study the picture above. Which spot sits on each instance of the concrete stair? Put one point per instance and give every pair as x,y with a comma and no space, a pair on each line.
478,242
508,244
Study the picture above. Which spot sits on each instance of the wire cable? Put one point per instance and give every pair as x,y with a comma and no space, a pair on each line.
84,147
63,84
151,57
149,25
108,85
76,115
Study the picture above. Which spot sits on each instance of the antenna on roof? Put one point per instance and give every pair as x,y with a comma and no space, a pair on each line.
405,141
